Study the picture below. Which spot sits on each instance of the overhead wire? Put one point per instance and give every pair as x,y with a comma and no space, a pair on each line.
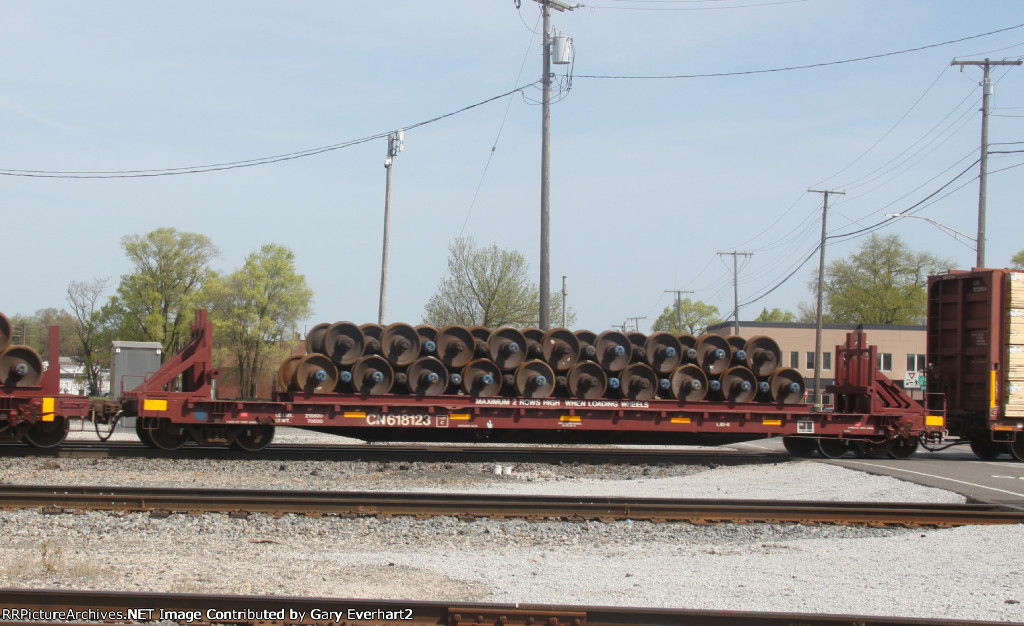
501,127
709,8
198,169
806,66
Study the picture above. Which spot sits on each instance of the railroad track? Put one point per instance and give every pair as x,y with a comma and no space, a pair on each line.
242,502
42,606
410,452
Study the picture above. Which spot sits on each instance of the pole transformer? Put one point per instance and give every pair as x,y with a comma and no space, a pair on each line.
986,92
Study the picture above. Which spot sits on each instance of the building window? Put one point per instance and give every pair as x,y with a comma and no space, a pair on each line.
915,363
885,361
810,360
794,360
826,360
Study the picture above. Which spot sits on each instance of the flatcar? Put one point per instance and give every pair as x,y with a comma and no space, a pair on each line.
458,384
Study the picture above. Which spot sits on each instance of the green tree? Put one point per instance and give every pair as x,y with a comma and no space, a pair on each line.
488,287
257,307
93,336
884,282
1017,262
693,317
775,315
157,301
34,331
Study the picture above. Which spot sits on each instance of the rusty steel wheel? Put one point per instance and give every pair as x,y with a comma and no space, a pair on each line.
253,437
168,436
315,338
713,353
6,332
47,434
20,366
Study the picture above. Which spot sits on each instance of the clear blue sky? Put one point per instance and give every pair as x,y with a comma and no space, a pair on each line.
650,177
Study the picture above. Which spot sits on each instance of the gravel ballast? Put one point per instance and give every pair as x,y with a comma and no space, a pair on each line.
962,573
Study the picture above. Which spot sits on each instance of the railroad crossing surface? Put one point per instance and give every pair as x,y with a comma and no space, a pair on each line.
954,469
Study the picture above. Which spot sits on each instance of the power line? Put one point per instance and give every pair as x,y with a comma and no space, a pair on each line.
805,67
214,167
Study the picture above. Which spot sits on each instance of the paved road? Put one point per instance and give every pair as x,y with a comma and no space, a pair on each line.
955,469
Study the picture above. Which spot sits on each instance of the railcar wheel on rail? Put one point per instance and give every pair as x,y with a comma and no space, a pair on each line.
988,450
1017,447
903,448
832,448
167,435
47,434
800,447
253,438
870,449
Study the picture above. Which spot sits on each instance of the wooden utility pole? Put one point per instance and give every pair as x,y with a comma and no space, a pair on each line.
544,315
986,92
821,290
735,288
679,313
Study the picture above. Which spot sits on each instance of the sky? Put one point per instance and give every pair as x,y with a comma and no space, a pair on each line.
656,167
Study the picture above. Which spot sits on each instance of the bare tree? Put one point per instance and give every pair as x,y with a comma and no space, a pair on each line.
84,299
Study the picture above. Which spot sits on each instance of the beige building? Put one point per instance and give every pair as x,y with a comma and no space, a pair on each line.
901,348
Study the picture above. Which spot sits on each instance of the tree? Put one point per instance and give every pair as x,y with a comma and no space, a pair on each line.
775,315
884,282
93,336
695,317
34,331
487,287
156,301
257,307
1018,261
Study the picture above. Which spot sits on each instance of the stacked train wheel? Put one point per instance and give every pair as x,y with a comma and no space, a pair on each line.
371,360
21,368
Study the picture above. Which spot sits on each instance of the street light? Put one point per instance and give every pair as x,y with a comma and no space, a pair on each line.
952,232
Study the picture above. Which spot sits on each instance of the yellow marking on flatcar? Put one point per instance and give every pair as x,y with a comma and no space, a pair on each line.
570,418
47,410
992,390
356,414
680,420
154,405
460,416
768,422
1001,427
934,420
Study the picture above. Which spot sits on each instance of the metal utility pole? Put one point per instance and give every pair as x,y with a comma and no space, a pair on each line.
395,145
735,288
679,313
545,165
636,322
986,92
821,290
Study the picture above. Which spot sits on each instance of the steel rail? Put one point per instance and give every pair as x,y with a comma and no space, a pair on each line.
164,501
43,606
405,452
